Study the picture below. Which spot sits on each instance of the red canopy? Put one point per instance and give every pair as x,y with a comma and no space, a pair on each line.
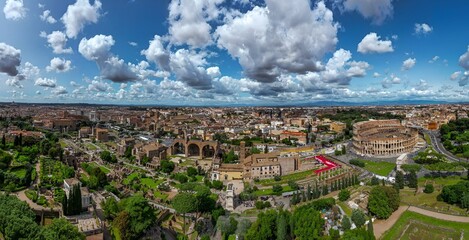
323,160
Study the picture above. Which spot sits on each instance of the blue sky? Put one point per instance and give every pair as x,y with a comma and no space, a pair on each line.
200,52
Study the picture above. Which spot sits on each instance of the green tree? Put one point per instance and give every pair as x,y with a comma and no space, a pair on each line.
61,229
308,192
184,203
191,171
344,195
255,150
413,182
282,226
230,157
429,188
346,225
167,166
110,208
264,228
400,179
277,189
382,201
371,234
121,224
141,214
358,217
308,223
105,156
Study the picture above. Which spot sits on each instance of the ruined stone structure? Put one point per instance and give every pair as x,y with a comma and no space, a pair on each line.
383,138
191,148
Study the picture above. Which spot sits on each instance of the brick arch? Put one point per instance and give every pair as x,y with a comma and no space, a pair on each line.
201,145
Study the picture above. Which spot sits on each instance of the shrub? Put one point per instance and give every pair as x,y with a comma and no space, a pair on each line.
411,167
32,195
261,204
217,185
429,188
344,195
277,189
277,178
357,162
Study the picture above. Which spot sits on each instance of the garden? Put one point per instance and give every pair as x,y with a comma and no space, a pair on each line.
53,172
381,168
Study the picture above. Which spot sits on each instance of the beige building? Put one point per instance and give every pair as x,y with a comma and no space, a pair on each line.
337,127
383,138
101,134
269,165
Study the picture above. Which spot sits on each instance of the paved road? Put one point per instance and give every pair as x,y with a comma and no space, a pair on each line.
436,144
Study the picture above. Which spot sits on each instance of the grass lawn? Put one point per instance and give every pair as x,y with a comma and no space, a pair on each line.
19,172
416,226
345,207
160,195
380,168
285,179
199,178
129,178
268,191
62,144
104,169
90,146
149,182
429,200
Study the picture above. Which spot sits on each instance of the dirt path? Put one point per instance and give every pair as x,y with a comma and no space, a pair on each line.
381,226
441,216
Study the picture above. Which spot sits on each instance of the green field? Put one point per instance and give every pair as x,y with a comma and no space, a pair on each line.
104,169
90,146
160,195
129,178
414,226
408,196
268,191
20,172
150,182
380,168
285,179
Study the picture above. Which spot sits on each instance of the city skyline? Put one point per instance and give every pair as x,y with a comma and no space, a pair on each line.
215,52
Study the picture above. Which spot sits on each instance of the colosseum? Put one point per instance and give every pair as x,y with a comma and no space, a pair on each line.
383,138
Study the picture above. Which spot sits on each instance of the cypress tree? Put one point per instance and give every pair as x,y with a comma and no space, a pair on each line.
3,140
303,199
371,234
20,140
64,205
308,193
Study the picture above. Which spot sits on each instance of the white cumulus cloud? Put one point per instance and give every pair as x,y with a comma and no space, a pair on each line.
269,41
371,43
408,64
46,82
79,14
14,10
59,65
46,17
57,41
422,28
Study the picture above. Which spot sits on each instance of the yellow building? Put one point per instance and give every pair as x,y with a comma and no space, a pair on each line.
228,172
338,127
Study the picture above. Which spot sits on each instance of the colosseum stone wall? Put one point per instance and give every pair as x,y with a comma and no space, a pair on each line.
383,138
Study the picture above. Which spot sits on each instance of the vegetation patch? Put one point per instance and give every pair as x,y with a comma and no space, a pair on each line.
416,226
380,168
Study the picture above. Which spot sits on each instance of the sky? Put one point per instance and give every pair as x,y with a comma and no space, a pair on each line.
223,52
